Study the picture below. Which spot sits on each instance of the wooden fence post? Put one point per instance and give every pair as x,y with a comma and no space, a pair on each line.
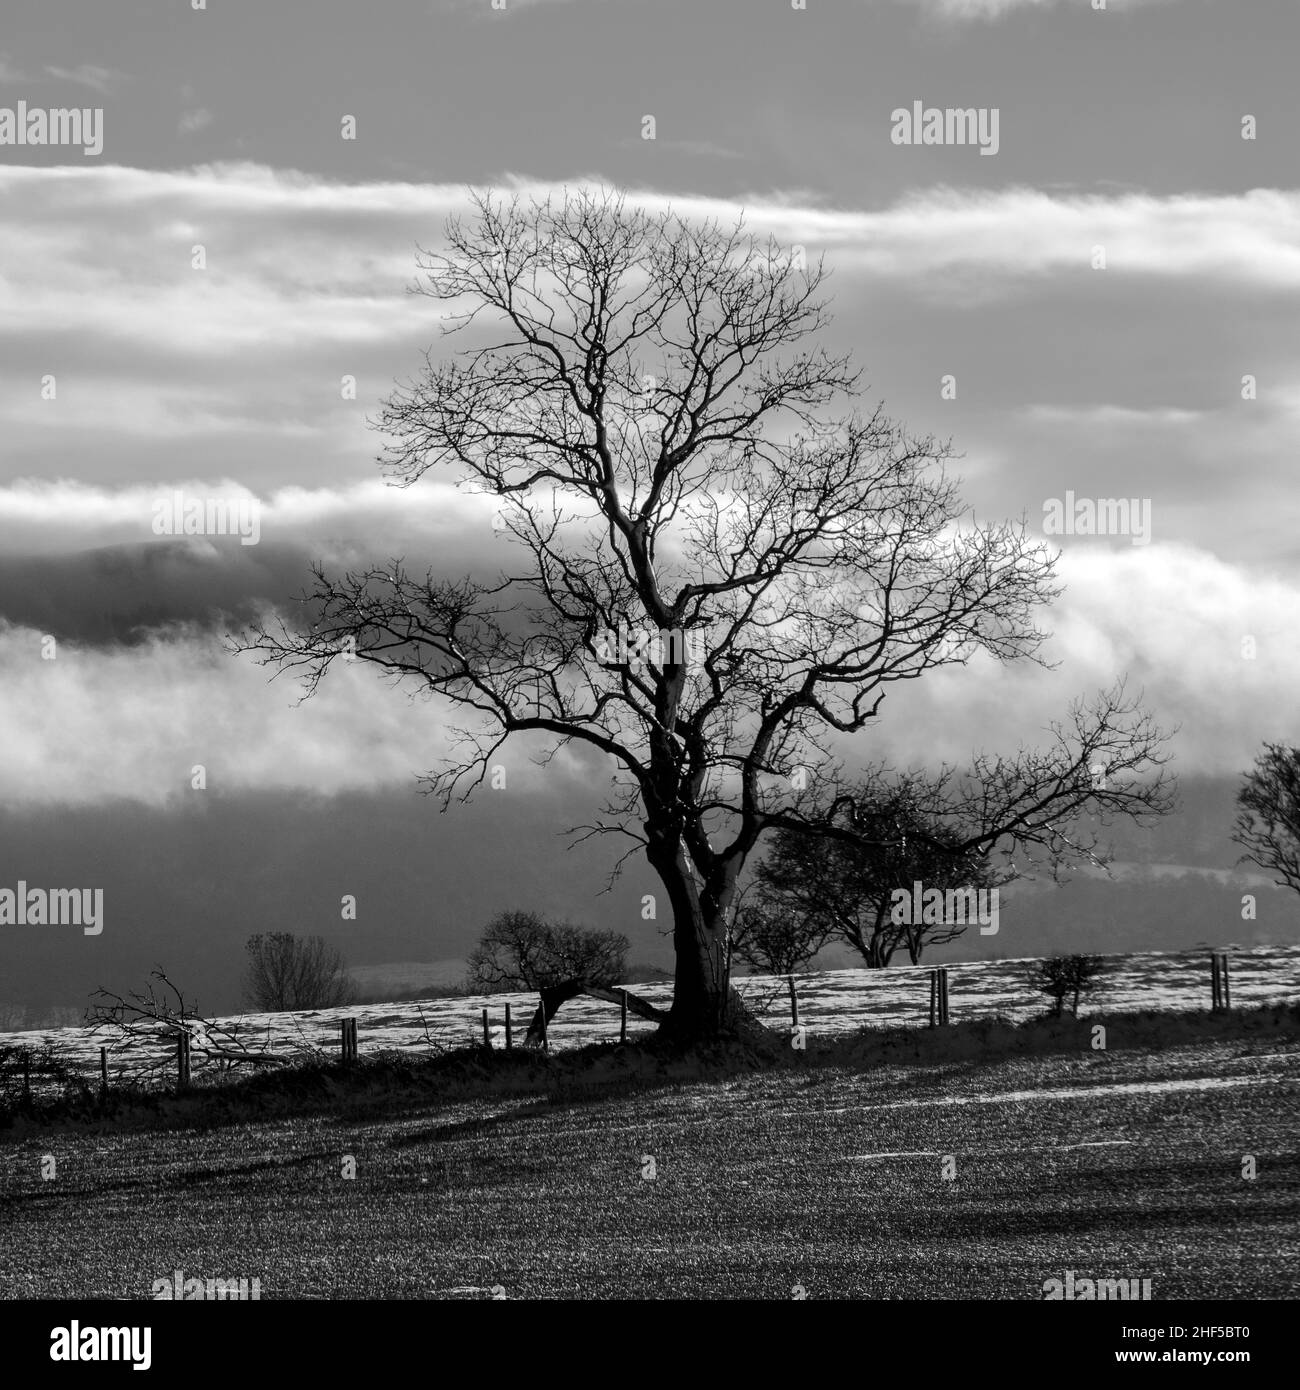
348,1040
938,997
546,1046
794,1001
622,1029
509,1039
487,1037
1220,993
182,1060
103,1073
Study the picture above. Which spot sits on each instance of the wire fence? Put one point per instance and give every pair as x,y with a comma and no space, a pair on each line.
83,1062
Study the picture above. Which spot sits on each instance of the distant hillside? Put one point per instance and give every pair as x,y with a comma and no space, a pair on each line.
218,870
407,979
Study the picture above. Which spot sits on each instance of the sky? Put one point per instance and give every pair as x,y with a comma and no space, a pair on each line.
178,311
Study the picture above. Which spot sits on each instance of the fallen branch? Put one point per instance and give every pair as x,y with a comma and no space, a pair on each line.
635,1004
555,995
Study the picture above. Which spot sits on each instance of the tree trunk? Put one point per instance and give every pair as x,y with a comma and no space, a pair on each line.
552,996
635,1003
879,959
555,995
702,984
705,1007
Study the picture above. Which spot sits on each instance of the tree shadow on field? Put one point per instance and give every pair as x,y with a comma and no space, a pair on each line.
161,1182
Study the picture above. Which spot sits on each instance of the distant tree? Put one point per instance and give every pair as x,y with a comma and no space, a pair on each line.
776,939
847,888
1066,977
1268,822
524,951
295,972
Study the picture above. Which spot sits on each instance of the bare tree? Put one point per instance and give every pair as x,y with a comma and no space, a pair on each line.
774,938
849,885
1062,977
642,398
1268,823
522,950
288,972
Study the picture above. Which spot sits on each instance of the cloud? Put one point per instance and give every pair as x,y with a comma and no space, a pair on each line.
294,259
1208,643
1172,618
969,10
100,726
140,719
1020,235
1111,416
242,363
289,260
86,564
10,73
955,10
192,121
227,381
368,516
89,75
700,149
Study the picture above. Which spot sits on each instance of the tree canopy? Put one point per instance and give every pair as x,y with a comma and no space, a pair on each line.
1268,816
523,950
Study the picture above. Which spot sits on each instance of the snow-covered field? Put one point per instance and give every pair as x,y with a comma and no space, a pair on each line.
835,1001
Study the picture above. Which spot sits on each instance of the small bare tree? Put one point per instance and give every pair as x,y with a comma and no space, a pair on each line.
295,972
1268,823
523,951
776,939
1062,977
